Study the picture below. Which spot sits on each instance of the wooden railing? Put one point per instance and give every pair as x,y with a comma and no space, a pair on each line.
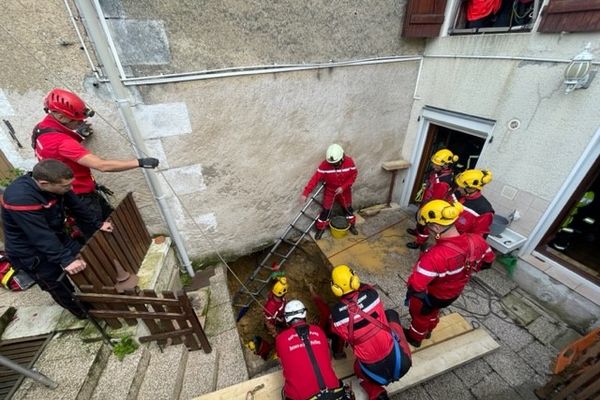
127,244
171,319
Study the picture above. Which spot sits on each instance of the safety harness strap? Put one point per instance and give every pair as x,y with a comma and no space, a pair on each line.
397,366
37,132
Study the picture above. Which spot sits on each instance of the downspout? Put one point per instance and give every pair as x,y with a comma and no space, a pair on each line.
126,103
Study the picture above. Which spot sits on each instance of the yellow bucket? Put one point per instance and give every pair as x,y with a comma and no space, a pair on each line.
339,227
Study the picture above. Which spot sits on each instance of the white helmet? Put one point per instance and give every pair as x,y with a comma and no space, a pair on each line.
334,153
294,309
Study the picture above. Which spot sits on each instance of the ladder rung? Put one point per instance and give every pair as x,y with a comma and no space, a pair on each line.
284,256
290,242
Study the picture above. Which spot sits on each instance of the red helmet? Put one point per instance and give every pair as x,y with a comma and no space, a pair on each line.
68,104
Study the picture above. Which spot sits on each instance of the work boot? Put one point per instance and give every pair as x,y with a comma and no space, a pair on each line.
319,234
411,231
414,343
353,230
413,245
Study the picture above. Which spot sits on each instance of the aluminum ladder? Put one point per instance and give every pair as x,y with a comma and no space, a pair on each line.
261,276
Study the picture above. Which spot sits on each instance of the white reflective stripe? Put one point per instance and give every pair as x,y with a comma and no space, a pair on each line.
357,316
425,272
471,211
453,272
416,331
331,171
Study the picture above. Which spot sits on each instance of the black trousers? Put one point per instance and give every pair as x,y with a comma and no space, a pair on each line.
46,273
97,204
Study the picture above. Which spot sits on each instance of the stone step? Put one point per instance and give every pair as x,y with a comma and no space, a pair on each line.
164,376
200,374
74,364
121,380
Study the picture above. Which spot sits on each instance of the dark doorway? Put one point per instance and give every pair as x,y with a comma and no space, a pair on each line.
467,146
573,239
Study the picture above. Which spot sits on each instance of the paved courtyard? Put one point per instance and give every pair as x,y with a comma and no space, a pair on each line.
529,335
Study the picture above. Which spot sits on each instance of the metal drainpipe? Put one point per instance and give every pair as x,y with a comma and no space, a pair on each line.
126,104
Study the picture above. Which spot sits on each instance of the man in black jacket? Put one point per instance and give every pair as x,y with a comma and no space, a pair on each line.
33,212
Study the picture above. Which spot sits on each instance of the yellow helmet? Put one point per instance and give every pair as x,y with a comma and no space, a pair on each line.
444,157
334,153
438,212
473,178
344,280
280,287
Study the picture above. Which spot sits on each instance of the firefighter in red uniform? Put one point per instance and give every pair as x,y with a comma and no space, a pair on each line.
478,213
304,354
443,270
338,172
437,186
375,335
273,308
59,136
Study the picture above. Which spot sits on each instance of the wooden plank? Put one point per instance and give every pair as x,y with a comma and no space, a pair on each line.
110,298
165,325
123,235
193,318
427,364
166,335
121,305
447,350
96,260
450,325
150,323
139,220
182,323
163,316
99,306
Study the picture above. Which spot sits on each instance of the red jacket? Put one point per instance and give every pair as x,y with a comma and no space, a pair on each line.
273,309
437,185
342,176
477,215
369,342
64,145
298,372
477,9
442,271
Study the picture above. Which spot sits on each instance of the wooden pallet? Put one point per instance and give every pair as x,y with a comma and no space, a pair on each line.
453,343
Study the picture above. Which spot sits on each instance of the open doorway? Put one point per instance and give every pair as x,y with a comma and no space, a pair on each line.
573,239
466,146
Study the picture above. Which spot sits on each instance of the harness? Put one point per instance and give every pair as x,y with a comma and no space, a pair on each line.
37,132
471,260
324,393
353,309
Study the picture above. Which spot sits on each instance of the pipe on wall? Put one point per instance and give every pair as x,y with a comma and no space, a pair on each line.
126,103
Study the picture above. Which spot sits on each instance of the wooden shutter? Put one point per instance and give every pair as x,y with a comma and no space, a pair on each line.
570,16
423,18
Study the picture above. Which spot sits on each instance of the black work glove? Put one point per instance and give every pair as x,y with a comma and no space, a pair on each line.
149,162
85,130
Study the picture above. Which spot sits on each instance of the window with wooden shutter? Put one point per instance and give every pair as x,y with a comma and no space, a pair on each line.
570,16
423,18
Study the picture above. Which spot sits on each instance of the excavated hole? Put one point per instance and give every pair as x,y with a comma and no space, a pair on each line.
306,265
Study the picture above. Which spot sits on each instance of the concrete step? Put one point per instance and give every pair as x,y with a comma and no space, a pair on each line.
200,375
121,380
164,376
75,365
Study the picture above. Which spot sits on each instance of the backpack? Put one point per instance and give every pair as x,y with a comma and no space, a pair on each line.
12,279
